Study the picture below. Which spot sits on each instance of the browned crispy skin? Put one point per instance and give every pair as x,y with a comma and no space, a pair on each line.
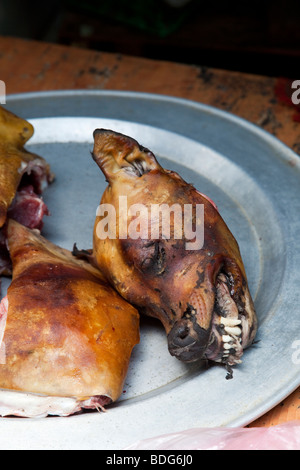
14,158
161,277
68,333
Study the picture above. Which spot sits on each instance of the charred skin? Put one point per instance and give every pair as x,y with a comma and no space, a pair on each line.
68,333
200,296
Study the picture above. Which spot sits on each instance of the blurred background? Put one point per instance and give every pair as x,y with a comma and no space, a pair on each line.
260,37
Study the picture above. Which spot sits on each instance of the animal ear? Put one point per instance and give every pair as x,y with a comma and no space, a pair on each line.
114,152
13,129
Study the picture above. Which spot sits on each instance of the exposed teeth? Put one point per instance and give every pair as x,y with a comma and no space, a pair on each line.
227,321
227,325
232,339
226,338
233,330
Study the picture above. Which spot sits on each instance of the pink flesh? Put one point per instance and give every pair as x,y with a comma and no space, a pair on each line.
35,173
28,209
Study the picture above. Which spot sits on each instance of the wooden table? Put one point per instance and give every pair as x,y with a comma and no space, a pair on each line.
27,66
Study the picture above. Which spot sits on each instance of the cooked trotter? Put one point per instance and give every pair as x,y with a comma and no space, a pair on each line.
200,295
66,335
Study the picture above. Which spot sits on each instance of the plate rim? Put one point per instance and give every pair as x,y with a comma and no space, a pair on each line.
161,97
286,154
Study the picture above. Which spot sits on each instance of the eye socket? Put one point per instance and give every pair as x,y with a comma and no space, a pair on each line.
154,261
147,263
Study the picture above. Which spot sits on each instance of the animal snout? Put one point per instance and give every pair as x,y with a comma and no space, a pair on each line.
188,341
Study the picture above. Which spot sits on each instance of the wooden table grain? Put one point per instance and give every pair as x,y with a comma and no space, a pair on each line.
28,66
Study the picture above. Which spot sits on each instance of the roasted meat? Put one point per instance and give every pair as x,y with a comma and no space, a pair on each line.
199,292
16,163
23,177
66,335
